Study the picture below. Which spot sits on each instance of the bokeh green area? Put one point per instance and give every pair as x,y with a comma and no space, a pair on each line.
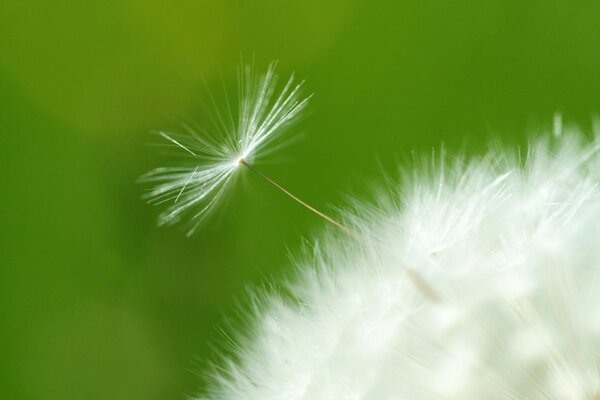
96,301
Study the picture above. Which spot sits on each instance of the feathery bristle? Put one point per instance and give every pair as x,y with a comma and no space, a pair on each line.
195,188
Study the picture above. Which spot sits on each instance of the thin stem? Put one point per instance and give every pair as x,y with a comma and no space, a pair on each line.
321,214
414,276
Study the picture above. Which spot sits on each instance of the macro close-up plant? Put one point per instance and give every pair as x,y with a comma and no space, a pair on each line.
219,200
471,278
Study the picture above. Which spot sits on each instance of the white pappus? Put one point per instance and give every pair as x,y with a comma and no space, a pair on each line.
213,156
508,241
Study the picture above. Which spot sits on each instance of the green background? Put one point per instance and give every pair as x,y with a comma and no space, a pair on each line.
96,301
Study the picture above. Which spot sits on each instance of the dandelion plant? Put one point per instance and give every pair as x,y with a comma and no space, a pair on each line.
470,279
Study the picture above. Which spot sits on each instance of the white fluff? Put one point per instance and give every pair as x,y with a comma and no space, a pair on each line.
511,244
213,156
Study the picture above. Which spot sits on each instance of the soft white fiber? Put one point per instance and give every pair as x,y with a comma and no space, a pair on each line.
509,242
212,156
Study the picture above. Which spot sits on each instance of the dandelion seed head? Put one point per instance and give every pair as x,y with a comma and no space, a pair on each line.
211,158
509,241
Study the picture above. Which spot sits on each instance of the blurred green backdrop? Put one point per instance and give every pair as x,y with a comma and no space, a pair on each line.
97,302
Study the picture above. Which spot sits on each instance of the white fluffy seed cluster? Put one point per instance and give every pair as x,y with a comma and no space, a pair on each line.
511,244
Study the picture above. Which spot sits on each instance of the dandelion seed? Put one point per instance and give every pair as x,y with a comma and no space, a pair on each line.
213,160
